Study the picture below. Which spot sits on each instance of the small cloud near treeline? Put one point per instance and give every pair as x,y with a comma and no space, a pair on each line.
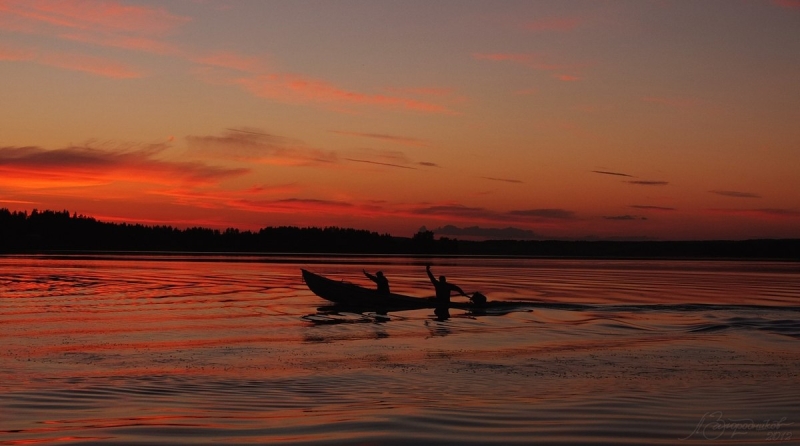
652,208
507,233
624,217
560,214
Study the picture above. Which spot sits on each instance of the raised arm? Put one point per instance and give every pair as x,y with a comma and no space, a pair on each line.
370,276
430,275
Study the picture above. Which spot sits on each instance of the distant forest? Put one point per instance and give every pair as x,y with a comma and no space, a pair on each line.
53,231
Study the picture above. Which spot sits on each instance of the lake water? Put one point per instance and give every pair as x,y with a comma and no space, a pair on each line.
188,350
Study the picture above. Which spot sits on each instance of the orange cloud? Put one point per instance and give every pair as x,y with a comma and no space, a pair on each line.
35,167
297,205
217,199
291,88
17,202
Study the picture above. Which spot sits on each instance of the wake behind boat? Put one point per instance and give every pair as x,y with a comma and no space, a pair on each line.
350,295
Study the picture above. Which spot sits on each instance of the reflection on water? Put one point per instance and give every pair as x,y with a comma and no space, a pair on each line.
187,350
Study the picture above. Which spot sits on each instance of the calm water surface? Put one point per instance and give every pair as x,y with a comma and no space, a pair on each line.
233,350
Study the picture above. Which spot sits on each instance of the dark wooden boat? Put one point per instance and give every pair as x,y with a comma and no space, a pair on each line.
350,295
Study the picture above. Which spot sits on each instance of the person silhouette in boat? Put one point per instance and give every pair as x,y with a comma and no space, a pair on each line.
380,280
443,289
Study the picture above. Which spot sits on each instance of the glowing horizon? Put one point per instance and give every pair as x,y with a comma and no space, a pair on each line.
664,120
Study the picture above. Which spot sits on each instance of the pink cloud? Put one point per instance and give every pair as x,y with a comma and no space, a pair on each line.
76,62
134,43
553,24
96,15
534,61
790,4
232,61
89,64
423,91
15,54
105,23
291,88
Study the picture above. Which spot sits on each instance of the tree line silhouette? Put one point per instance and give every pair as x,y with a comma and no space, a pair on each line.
53,231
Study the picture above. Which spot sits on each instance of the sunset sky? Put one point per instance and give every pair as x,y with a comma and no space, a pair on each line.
529,119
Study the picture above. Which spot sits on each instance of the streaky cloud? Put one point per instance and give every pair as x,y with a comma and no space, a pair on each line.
649,183
380,164
255,145
624,217
558,214
100,16
771,213
295,89
428,164
652,208
505,180
313,202
779,212
90,64
735,194
8,53
232,61
452,209
98,66
90,166
606,172
385,137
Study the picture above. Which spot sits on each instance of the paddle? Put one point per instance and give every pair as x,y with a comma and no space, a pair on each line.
478,298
